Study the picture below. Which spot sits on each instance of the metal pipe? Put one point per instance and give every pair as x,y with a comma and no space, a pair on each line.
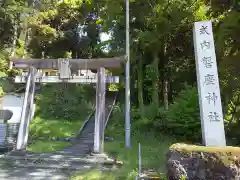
127,83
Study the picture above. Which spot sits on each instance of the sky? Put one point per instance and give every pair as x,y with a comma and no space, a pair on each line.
105,37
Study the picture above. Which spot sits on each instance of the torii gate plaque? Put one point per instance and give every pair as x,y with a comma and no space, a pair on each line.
65,68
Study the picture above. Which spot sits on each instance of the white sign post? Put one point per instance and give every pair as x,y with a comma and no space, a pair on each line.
212,124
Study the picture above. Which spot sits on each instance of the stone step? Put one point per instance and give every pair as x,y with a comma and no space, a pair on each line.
60,157
28,154
85,140
83,144
90,132
59,166
77,151
86,135
91,122
61,162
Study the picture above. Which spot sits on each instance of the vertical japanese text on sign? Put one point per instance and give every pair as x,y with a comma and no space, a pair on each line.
208,85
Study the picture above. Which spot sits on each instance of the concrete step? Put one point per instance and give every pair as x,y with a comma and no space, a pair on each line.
63,162
59,157
59,166
85,138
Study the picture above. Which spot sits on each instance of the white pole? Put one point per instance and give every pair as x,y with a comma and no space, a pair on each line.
127,83
139,160
97,114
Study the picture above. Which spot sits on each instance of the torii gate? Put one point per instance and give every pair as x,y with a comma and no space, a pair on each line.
65,68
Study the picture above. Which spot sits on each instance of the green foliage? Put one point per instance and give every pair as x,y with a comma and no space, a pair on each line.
117,124
54,128
144,118
154,146
113,87
65,101
58,30
154,149
232,117
3,60
183,118
7,85
1,92
93,175
141,121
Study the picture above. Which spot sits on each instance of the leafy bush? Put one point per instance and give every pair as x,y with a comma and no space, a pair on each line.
65,101
145,120
183,118
1,92
232,119
116,122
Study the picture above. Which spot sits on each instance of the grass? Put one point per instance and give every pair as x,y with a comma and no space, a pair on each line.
154,151
53,128
68,105
154,148
47,146
93,175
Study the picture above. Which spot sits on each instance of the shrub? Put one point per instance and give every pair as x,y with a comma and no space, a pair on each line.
183,117
145,120
116,123
1,92
232,119
65,101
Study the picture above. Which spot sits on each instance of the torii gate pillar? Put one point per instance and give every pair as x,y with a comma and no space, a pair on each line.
100,111
27,110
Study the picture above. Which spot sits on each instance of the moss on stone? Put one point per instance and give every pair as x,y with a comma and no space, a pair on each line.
194,148
227,155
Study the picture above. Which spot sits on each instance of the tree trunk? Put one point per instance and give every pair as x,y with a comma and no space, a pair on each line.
164,75
13,43
140,85
155,80
25,44
170,92
165,94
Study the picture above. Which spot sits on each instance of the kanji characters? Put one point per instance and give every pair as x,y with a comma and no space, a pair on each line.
207,61
209,79
203,30
211,97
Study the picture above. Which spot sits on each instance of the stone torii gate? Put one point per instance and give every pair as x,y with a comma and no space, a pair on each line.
66,69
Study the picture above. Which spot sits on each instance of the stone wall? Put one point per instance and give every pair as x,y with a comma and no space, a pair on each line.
203,163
